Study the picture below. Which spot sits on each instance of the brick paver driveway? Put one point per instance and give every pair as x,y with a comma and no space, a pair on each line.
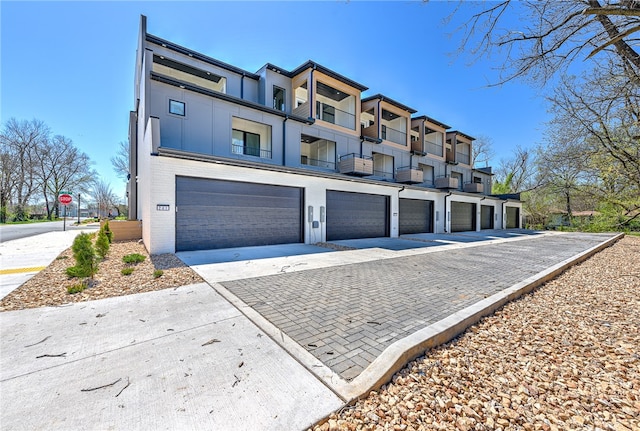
347,315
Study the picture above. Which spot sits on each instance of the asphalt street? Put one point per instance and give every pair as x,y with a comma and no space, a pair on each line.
17,231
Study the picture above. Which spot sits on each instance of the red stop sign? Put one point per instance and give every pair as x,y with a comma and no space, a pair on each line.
65,199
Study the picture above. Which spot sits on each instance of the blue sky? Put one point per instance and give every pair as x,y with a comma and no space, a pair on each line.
71,64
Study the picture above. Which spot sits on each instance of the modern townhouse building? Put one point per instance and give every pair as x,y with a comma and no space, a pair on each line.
222,157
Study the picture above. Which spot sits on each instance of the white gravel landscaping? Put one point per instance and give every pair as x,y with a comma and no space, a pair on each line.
566,357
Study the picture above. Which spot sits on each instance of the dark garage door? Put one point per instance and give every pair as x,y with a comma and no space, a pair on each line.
486,217
221,214
356,215
416,216
513,218
463,216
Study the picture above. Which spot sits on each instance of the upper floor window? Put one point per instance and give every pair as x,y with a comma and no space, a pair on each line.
278,98
317,152
250,138
177,108
189,74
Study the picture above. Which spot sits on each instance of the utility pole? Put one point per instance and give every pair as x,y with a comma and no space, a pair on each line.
78,208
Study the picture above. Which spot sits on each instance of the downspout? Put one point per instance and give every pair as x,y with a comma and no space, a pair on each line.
242,86
284,139
311,105
378,120
445,211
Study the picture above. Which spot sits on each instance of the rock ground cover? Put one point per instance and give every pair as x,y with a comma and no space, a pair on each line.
565,357
49,286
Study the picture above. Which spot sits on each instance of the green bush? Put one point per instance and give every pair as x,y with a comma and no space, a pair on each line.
102,244
76,288
126,271
85,256
107,231
133,258
158,273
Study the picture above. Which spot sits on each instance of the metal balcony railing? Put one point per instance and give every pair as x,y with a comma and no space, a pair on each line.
319,163
331,114
251,151
463,158
433,148
383,174
393,135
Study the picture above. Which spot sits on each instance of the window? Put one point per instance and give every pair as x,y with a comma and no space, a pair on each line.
176,108
250,138
278,98
246,143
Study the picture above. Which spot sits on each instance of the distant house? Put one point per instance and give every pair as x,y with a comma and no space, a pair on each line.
559,218
223,157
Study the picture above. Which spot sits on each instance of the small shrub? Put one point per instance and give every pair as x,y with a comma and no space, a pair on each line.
158,273
126,271
76,288
102,244
133,258
84,253
62,257
107,231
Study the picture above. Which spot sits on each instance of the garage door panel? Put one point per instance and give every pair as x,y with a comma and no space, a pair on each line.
513,217
486,217
416,216
222,214
463,216
356,215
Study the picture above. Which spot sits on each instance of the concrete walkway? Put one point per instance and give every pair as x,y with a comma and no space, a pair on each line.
287,335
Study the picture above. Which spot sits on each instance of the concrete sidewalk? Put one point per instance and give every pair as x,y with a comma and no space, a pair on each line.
171,359
21,259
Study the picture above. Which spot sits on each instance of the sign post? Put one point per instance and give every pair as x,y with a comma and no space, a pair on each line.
65,199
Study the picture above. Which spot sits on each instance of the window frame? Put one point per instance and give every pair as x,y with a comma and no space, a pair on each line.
178,114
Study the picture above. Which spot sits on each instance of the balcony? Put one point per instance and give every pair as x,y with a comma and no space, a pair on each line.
251,151
433,148
474,188
354,164
463,158
393,135
318,163
409,175
333,115
446,183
